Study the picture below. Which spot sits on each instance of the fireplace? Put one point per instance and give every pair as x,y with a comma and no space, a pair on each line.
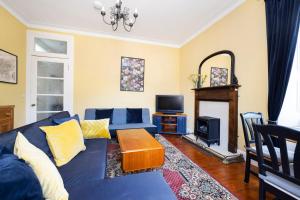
228,94
208,130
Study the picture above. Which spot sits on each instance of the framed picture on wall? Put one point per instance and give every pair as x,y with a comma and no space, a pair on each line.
8,67
132,74
218,76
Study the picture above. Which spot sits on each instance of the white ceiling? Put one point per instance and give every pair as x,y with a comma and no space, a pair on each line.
167,22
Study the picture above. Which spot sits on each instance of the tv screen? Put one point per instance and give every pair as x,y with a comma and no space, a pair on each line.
169,103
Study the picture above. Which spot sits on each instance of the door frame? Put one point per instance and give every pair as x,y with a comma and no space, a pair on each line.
29,55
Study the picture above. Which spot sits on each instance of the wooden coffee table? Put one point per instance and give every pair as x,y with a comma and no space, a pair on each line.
139,150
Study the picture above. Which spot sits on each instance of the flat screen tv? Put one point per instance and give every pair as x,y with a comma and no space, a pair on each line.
169,104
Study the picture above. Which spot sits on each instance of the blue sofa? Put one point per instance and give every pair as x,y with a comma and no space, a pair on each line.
119,120
84,176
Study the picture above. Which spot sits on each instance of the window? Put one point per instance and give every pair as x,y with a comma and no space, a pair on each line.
290,112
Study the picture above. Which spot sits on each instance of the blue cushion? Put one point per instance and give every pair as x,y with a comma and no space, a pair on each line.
119,116
32,133
88,164
145,186
17,180
134,115
62,120
38,138
104,114
7,140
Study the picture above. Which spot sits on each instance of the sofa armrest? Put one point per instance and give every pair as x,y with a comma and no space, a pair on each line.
146,116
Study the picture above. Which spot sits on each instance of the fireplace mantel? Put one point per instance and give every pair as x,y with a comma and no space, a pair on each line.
228,94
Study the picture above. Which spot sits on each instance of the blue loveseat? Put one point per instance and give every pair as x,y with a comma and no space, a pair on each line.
119,120
84,176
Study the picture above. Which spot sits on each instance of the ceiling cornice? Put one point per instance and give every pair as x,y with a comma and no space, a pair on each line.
105,35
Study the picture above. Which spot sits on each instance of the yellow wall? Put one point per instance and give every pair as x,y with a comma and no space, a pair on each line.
97,73
244,32
97,65
13,40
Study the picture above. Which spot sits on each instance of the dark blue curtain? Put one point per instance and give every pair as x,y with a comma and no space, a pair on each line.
282,32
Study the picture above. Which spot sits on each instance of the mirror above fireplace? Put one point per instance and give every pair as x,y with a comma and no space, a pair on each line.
218,68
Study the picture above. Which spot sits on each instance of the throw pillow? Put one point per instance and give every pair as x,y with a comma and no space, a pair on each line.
95,128
47,174
38,138
134,115
7,140
62,120
65,141
104,114
17,180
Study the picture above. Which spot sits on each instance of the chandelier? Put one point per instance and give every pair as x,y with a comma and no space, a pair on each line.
117,15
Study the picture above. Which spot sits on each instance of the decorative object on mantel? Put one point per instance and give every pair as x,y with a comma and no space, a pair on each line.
220,76
132,74
8,67
117,14
197,80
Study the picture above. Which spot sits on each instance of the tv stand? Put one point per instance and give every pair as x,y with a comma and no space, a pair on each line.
170,123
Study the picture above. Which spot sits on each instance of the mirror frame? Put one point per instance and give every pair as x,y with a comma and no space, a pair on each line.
233,78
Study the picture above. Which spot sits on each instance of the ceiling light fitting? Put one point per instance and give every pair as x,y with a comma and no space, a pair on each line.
117,15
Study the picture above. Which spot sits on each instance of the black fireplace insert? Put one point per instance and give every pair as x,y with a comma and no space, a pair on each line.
208,130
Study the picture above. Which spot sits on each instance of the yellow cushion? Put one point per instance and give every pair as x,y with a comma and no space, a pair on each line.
47,174
65,141
95,128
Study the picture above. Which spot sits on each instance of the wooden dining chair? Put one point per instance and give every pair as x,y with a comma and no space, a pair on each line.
248,119
281,177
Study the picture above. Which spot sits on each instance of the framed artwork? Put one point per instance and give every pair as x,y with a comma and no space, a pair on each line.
218,76
8,67
132,74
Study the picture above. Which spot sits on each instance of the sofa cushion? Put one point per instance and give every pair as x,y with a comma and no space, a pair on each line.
62,120
7,140
146,186
65,141
119,116
152,129
31,133
92,129
134,115
104,114
17,180
46,172
88,164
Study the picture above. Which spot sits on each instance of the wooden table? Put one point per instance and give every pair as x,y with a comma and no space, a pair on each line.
139,150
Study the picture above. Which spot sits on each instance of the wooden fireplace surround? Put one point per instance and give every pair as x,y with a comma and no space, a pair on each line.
228,94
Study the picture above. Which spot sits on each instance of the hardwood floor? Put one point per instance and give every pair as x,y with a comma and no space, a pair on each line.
230,176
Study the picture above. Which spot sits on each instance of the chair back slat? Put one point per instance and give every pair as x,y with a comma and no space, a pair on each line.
280,167
248,119
284,156
297,160
268,141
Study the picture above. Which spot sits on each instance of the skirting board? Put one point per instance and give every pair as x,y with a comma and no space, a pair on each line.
238,157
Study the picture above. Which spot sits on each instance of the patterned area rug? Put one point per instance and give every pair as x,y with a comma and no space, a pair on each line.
186,179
